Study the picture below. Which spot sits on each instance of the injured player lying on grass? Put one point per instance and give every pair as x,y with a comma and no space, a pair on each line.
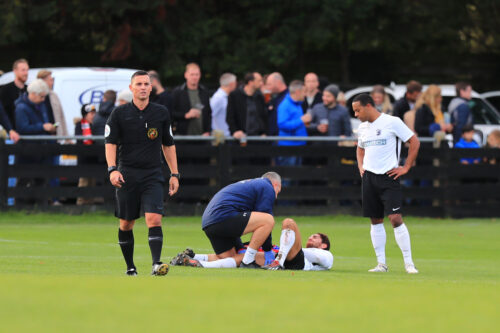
315,256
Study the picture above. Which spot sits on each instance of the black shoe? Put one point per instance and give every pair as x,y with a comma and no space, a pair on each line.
189,252
253,264
131,271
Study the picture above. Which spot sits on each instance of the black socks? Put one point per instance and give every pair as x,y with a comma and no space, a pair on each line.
126,241
155,243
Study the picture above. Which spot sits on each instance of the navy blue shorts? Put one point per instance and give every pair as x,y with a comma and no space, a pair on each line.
225,235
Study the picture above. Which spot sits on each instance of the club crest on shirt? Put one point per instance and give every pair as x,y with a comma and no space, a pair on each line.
378,131
152,133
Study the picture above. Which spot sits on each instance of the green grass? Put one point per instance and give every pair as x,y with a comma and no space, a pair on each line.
62,273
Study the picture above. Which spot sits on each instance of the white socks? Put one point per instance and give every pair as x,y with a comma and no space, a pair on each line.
378,240
201,257
403,239
286,242
221,263
249,256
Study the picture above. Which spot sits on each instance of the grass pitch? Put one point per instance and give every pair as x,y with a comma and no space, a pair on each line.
62,273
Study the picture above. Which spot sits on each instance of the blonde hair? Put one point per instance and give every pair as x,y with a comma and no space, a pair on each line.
386,104
430,98
43,73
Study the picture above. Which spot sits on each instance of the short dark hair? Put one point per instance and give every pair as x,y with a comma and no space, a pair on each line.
413,86
364,100
248,77
110,96
325,240
467,128
138,73
461,86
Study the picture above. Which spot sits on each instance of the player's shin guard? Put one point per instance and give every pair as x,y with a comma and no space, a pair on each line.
403,239
286,242
379,238
155,243
126,241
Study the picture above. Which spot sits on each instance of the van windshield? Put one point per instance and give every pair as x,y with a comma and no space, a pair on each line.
483,113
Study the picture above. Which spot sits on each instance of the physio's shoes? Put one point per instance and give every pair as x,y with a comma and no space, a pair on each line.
274,266
253,264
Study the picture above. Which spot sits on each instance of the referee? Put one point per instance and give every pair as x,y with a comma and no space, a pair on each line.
379,145
139,131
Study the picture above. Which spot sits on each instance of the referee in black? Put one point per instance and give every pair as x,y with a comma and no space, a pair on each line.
139,131
379,146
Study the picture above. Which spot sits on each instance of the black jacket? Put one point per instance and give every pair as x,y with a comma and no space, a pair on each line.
400,107
181,105
236,116
317,99
101,117
423,119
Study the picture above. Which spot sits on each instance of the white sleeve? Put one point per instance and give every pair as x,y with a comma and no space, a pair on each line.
320,259
401,130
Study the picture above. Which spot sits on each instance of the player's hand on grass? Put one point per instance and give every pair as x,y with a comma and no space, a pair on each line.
397,172
173,185
116,179
269,257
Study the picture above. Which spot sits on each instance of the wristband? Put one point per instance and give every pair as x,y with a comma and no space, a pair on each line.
111,169
176,175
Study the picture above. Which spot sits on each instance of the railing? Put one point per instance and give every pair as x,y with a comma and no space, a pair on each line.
327,181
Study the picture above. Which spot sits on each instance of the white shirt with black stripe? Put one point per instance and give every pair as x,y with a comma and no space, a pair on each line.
381,141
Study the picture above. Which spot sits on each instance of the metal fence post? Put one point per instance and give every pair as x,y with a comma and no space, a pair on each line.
4,164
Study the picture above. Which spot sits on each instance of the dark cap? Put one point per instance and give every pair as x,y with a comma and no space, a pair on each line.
87,108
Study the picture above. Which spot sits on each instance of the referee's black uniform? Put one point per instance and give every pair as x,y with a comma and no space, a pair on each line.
139,136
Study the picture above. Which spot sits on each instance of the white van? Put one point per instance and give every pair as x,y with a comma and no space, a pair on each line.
76,86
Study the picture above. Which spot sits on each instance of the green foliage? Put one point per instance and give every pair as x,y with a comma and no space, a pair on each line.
292,36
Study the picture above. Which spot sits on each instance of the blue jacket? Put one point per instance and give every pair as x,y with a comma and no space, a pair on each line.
464,144
253,195
30,117
289,122
460,115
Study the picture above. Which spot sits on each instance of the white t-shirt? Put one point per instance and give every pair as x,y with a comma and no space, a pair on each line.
317,259
380,142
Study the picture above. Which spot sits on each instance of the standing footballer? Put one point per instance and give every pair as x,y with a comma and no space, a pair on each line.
139,131
379,144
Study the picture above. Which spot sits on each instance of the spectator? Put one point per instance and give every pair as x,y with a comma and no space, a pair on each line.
330,118
101,117
218,103
53,104
407,102
191,111
467,141
313,95
341,99
429,117
246,109
32,119
31,112
381,99
291,120
276,85
13,90
7,125
124,96
159,94
493,141
459,110
84,127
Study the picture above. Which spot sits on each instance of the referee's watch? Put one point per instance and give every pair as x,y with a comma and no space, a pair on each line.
111,169
176,175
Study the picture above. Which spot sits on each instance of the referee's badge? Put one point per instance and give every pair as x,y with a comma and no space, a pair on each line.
152,133
107,131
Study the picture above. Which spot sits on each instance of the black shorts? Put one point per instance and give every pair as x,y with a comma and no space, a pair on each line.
297,263
225,235
381,195
142,187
